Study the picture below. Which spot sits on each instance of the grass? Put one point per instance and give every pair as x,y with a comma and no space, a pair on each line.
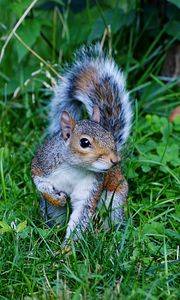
141,261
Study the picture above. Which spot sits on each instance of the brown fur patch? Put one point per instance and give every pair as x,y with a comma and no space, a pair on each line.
114,180
51,200
104,91
108,111
36,171
86,79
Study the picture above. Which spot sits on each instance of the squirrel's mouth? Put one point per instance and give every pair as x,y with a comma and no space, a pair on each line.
99,166
97,170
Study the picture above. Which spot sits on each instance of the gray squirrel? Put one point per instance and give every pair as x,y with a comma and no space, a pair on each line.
80,158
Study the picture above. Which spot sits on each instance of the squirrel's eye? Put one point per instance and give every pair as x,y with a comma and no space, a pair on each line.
85,143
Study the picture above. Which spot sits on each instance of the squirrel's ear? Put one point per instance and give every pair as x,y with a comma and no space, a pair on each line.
67,124
96,114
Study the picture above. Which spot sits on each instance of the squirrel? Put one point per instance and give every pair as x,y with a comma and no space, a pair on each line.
80,157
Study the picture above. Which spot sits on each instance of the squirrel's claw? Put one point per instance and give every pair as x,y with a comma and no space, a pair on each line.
61,198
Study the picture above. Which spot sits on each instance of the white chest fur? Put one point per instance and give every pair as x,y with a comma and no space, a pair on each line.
77,183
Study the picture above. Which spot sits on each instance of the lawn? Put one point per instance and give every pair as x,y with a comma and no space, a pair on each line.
141,260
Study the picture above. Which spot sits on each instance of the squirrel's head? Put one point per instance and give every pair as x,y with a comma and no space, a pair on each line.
93,147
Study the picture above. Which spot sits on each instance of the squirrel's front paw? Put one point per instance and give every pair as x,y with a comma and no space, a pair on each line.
56,198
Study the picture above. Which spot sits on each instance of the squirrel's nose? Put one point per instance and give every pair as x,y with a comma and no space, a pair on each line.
114,161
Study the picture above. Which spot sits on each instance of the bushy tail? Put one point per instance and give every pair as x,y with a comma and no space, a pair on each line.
94,79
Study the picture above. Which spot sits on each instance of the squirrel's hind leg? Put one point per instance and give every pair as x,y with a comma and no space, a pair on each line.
53,214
